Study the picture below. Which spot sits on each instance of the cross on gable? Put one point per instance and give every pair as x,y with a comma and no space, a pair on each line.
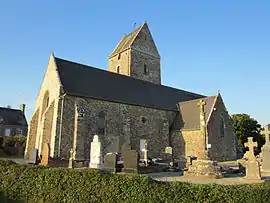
201,104
250,144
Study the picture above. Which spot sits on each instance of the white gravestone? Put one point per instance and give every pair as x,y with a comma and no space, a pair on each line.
144,150
70,162
95,154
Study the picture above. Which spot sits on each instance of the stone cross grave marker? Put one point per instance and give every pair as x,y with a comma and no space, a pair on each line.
252,165
70,161
250,144
202,104
95,154
266,154
45,154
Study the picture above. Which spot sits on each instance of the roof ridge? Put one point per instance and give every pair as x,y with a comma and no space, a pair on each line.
193,100
5,108
131,78
126,41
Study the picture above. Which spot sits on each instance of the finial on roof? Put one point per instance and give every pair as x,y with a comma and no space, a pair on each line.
218,93
145,22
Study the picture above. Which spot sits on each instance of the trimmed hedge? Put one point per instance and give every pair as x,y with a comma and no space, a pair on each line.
81,185
12,140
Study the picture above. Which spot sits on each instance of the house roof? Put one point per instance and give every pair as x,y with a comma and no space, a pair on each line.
188,117
82,80
12,117
126,42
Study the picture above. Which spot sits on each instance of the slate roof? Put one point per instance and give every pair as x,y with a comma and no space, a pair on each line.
126,42
81,80
188,117
12,117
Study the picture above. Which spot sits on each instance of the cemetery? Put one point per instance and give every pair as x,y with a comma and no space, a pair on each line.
131,175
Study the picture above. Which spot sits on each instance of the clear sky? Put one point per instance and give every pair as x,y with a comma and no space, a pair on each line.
205,46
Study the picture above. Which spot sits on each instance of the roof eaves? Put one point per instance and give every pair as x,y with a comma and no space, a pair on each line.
117,101
112,54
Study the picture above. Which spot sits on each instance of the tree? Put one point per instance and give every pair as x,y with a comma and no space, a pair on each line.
244,126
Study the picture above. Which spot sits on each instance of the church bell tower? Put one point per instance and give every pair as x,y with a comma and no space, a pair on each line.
136,55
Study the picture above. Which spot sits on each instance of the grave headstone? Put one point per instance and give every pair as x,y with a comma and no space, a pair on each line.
45,155
70,161
130,159
266,154
252,165
110,162
95,154
144,151
33,157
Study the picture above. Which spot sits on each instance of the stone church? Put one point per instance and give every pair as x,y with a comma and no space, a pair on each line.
127,103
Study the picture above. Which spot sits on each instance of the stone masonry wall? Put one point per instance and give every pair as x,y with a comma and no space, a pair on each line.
123,62
223,147
144,51
68,120
31,137
144,42
139,60
123,123
187,143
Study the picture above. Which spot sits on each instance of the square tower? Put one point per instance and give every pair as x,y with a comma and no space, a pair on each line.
136,55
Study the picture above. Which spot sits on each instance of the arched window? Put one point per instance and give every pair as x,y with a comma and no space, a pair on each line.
119,56
145,69
222,126
101,122
118,69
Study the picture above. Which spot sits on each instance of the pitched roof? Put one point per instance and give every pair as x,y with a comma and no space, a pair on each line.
12,117
126,42
188,117
81,80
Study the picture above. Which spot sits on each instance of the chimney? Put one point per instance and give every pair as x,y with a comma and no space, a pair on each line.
22,108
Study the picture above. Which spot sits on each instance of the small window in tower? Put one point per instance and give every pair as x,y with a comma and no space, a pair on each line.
145,37
145,69
119,56
118,69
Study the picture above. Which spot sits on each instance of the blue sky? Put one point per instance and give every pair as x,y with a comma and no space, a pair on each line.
205,46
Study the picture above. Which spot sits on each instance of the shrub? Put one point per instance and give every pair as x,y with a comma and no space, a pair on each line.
12,145
12,140
81,185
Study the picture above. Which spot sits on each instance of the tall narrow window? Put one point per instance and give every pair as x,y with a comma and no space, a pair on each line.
222,126
145,69
119,56
101,123
118,69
